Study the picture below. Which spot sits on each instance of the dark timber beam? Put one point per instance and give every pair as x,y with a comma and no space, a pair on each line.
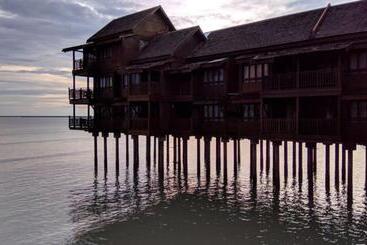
276,179
105,136
95,135
117,151
218,155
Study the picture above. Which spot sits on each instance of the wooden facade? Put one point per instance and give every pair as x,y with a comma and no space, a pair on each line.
146,78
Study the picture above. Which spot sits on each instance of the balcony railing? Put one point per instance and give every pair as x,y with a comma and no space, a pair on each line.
316,79
81,95
144,89
78,64
212,90
81,123
318,127
279,126
181,89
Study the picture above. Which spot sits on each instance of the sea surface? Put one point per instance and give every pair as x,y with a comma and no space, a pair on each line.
49,195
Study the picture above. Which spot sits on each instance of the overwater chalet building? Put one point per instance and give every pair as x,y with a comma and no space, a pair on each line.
300,77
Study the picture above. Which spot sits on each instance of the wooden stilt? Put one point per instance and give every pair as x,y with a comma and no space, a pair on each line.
285,160
161,160
261,156
136,152
117,151
148,152
167,151
207,156
239,152
198,159
179,155
218,156
267,157
350,175
337,165
225,160
127,150
105,135
343,164
235,155
155,150
253,161
310,165
327,167
314,157
184,158
95,154
300,162
276,179
294,159
174,153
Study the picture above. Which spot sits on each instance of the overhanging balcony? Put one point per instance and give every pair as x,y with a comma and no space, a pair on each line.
279,126
314,79
81,123
81,96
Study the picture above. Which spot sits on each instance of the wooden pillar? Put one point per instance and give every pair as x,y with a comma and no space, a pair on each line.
148,152
300,162
225,160
314,156
327,167
198,155
155,150
294,159
343,164
74,87
167,153
350,174
184,156
117,152
127,150
253,161
276,179
337,165
174,153
218,155
267,157
310,165
235,155
105,135
161,160
285,160
136,152
239,152
261,156
95,135
207,155
179,155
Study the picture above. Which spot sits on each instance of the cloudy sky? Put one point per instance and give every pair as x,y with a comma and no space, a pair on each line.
35,74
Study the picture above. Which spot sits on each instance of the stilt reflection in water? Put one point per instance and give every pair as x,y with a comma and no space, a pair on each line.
241,204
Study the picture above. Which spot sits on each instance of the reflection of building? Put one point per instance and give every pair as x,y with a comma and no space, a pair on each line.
297,77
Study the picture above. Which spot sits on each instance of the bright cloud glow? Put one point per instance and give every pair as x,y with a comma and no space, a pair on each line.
35,75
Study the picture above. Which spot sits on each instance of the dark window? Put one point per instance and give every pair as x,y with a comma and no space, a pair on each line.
358,110
214,76
358,61
105,53
250,112
255,73
213,112
105,82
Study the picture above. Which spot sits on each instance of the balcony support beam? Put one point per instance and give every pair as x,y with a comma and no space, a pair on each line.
267,156
327,167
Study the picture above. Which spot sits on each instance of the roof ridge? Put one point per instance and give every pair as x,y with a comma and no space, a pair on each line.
138,12
287,15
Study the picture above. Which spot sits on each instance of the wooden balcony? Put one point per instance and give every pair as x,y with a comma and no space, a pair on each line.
180,90
279,126
81,66
316,79
355,130
249,128
81,96
144,89
211,127
324,127
211,90
250,87
81,123
105,94
355,83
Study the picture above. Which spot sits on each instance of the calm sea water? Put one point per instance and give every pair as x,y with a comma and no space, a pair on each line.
48,195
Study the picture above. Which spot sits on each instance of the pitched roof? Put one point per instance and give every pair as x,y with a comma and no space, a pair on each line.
127,23
339,20
167,43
